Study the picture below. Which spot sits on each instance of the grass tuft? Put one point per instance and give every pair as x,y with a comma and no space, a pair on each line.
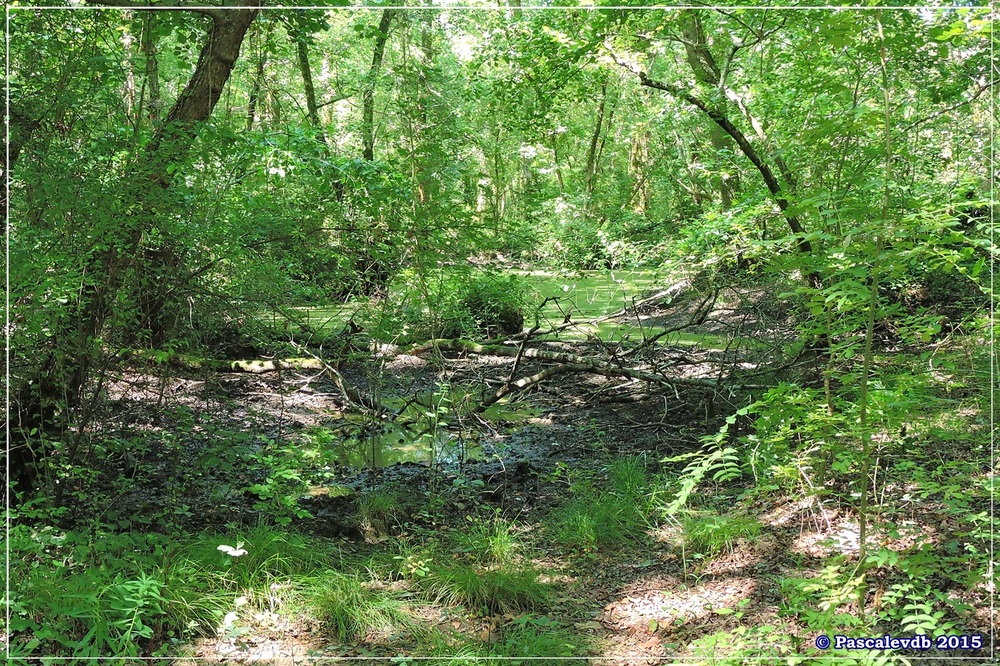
501,590
710,534
377,512
627,478
491,542
352,610
544,644
588,523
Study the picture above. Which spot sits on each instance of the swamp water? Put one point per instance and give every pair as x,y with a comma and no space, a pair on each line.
429,430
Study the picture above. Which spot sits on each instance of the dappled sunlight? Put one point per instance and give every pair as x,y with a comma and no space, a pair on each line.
496,335
742,558
843,540
668,602
784,514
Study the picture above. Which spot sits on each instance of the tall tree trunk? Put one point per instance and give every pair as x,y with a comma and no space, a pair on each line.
368,97
258,77
129,92
555,162
591,168
48,401
638,167
312,109
148,45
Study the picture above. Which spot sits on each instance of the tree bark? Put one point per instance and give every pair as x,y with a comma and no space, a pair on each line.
312,109
148,45
368,97
46,402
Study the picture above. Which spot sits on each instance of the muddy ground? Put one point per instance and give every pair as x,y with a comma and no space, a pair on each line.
642,604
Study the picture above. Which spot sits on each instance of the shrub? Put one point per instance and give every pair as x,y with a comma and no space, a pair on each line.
494,302
461,304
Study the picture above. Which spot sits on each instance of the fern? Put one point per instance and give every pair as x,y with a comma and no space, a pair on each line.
715,459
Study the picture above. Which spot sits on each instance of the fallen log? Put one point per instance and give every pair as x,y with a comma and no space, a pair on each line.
567,362
262,366
252,366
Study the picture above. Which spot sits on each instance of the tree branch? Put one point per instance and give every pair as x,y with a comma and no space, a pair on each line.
153,5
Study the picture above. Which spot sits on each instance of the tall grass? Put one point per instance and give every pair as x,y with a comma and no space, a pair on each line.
351,609
499,590
613,515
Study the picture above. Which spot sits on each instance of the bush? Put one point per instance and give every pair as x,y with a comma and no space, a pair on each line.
494,302
457,305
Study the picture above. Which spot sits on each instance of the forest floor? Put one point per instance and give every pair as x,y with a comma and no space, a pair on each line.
622,589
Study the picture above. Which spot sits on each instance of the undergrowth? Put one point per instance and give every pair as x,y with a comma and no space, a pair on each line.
601,516
352,610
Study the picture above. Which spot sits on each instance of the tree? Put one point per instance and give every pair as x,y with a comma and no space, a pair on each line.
368,96
46,401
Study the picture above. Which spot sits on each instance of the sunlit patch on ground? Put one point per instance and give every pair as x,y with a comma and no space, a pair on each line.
284,651
742,558
668,603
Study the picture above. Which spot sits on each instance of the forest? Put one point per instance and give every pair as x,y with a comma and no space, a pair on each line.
499,333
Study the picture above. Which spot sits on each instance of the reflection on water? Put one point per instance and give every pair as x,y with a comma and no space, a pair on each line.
428,430
396,444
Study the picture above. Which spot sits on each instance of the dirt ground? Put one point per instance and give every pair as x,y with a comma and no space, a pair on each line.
647,604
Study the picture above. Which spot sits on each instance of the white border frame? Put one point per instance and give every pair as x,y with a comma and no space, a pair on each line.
992,8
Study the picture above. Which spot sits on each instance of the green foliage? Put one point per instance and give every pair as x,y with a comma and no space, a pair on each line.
414,561
822,602
599,517
455,304
711,534
351,609
105,593
283,484
494,132
269,555
714,460
538,637
500,589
